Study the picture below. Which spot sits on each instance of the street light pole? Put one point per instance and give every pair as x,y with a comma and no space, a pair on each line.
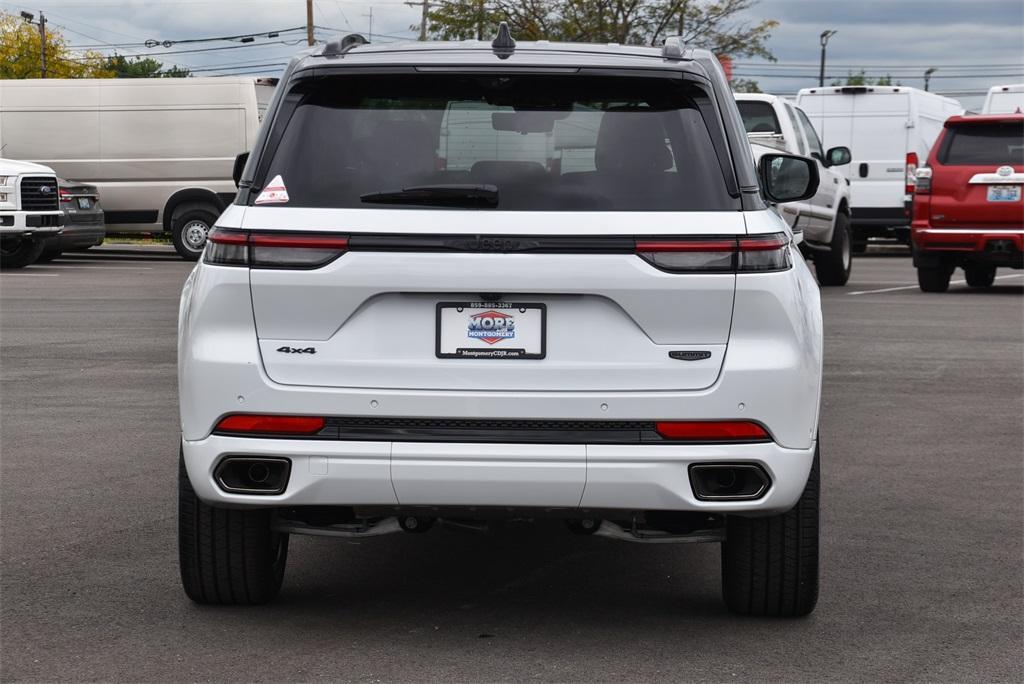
928,76
825,35
28,17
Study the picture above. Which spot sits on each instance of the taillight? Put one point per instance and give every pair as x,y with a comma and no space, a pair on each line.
924,181
911,179
273,250
64,195
243,423
713,431
717,254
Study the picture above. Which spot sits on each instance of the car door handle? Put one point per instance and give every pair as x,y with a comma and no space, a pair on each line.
863,170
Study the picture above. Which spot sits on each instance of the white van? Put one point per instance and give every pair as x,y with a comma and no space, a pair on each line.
889,130
160,150
1004,99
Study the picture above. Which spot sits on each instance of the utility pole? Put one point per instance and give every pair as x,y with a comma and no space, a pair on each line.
425,4
928,76
825,35
42,41
369,34
309,22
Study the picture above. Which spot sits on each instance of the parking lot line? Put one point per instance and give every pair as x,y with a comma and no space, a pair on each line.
914,287
32,275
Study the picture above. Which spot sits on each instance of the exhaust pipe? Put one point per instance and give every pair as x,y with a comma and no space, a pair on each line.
253,475
728,481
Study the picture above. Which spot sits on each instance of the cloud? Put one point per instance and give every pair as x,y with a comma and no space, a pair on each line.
882,36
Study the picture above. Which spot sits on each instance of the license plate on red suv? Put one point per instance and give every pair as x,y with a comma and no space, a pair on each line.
1004,193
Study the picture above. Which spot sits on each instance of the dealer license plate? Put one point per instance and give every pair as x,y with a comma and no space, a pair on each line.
490,330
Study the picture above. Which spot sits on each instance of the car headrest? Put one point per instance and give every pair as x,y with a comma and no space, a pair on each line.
631,140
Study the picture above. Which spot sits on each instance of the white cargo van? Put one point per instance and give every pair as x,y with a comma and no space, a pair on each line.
160,150
889,130
1004,99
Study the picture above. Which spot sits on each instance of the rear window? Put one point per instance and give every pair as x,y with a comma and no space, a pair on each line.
758,117
987,144
545,143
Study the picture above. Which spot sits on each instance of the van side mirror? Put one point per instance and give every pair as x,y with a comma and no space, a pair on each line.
236,172
787,177
838,156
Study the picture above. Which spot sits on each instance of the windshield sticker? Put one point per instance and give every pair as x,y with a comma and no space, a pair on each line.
274,193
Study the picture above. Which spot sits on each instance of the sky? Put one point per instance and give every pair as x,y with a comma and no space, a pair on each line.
973,44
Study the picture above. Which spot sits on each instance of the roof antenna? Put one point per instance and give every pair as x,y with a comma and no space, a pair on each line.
336,48
503,44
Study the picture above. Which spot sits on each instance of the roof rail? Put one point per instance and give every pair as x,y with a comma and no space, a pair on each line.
336,48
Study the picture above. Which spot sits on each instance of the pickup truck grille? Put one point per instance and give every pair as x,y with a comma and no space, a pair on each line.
33,197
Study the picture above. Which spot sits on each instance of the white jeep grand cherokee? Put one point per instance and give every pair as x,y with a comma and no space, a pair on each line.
473,281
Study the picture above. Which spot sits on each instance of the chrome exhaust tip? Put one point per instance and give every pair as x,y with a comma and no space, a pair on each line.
253,475
728,481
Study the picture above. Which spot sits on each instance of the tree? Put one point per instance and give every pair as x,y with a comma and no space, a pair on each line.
20,53
861,79
143,67
711,24
745,85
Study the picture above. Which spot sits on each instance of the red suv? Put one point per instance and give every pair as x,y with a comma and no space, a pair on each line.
967,205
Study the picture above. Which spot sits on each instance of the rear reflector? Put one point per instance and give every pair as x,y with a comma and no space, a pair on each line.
717,255
273,250
284,425
713,431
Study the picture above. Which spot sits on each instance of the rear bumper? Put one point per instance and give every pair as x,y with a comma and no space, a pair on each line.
880,221
563,476
998,247
966,239
82,235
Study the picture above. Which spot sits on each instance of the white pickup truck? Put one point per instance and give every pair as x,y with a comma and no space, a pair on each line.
823,221
30,211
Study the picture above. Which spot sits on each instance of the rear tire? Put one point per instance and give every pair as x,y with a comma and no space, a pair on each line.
227,556
19,252
770,565
933,278
190,225
980,276
48,255
858,243
833,267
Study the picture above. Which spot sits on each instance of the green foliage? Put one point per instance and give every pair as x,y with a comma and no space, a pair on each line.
710,24
142,67
21,53
745,85
861,79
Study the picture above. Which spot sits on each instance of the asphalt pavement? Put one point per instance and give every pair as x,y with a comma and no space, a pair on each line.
922,440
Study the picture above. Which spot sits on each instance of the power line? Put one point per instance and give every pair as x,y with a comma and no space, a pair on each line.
880,75
876,66
151,43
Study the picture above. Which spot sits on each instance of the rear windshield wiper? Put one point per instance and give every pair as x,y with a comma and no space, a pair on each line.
479,196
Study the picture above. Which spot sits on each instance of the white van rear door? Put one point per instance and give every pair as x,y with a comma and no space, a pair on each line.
880,132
